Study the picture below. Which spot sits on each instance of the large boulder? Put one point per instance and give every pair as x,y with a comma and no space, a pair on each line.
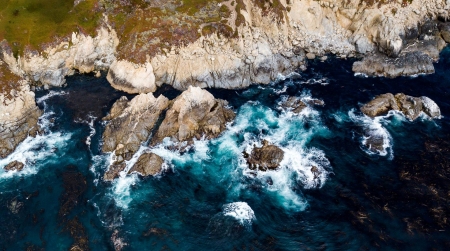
267,157
147,164
194,114
411,107
130,123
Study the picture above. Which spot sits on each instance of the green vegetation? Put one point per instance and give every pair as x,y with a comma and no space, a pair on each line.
149,28
33,23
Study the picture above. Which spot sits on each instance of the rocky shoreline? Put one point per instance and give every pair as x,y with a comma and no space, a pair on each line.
269,42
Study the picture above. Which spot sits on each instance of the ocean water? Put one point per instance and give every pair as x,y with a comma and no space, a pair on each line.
207,199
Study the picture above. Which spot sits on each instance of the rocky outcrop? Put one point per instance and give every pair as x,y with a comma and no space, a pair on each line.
18,117
296,104
130,124
194,114
409,106
267,157
80,53
132,78
380,105
148,164
14,166
293,104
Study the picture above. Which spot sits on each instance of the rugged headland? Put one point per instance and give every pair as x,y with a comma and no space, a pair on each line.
201,43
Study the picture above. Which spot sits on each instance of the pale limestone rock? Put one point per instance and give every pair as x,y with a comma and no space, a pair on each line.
130,123
18,118
84,54
194,114
132,78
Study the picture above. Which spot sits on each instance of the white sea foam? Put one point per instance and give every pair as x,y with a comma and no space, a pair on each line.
49,95
39,149
241,211
34,150
122,190
287,132
318,79
373,127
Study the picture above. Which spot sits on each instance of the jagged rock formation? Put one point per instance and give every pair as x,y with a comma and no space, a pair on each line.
247,41
411,107
294,104
267,157
18,112
421,49
230,43
79,52
130,124
147,164
194,114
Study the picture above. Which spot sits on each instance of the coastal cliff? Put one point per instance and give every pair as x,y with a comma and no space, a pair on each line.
225,44
18,112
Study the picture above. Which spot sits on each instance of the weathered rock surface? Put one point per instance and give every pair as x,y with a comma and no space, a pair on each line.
114,170
132,78
294,104
267,157
407,64
380,105
148,164
130,124
14,166
194,114
80,53
410,106
18,117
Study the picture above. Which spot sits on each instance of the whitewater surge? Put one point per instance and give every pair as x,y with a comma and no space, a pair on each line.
240,211
374,132
35,152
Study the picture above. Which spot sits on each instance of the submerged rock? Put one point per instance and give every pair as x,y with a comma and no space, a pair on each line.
147,164
194,114
130,123
409,106
267,157
374,141
14,166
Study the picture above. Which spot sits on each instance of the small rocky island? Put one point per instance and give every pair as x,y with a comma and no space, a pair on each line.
410,107
264,158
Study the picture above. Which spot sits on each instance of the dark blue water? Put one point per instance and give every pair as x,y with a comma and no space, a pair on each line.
206,198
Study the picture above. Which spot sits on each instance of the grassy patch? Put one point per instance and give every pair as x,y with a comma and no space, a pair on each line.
36,22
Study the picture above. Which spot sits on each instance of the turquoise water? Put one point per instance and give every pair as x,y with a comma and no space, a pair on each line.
207,199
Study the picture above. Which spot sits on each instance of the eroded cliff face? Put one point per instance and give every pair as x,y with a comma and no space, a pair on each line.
18,112
80,52
232,44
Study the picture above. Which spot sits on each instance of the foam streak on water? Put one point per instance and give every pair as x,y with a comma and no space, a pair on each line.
241,211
